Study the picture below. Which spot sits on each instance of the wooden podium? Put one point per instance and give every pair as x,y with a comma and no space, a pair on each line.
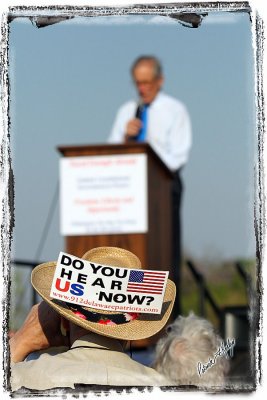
154,248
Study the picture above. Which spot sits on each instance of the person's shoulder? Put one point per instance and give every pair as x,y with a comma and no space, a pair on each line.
172,102
133,373
127,107
158,378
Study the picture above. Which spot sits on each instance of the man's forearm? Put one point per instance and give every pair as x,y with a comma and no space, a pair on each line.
40,330
19,348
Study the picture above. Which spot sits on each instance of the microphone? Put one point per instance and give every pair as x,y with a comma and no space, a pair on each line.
138,112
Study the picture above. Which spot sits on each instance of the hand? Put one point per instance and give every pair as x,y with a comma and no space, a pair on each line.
40,330
132,128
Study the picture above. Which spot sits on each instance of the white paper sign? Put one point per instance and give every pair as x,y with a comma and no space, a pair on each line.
106,287
103,194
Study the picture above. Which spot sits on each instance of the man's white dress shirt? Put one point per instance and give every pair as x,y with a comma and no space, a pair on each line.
168,130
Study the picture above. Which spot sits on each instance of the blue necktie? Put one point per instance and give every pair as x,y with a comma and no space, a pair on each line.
143,131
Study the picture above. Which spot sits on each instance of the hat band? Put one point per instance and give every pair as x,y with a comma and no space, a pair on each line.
104,319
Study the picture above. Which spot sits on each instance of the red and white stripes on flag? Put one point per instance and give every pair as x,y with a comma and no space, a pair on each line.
146,282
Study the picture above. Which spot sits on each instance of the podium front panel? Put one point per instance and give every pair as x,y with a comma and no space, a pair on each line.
103,195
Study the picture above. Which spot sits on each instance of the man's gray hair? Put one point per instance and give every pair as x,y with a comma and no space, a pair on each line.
190,342
156,64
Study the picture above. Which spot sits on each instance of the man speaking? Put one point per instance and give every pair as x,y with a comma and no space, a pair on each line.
164,123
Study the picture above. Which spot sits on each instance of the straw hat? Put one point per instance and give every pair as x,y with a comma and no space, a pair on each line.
126,326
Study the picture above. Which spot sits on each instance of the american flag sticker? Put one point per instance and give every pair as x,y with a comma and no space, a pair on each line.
149,282
107,287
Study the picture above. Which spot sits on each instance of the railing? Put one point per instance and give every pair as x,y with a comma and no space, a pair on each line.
204,293
247,281
29,264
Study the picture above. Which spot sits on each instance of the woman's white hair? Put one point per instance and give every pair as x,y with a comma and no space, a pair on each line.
189,343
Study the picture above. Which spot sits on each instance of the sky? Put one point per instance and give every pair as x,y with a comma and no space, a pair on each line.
67,82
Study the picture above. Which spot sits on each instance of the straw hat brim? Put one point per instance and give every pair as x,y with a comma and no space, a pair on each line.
145,326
